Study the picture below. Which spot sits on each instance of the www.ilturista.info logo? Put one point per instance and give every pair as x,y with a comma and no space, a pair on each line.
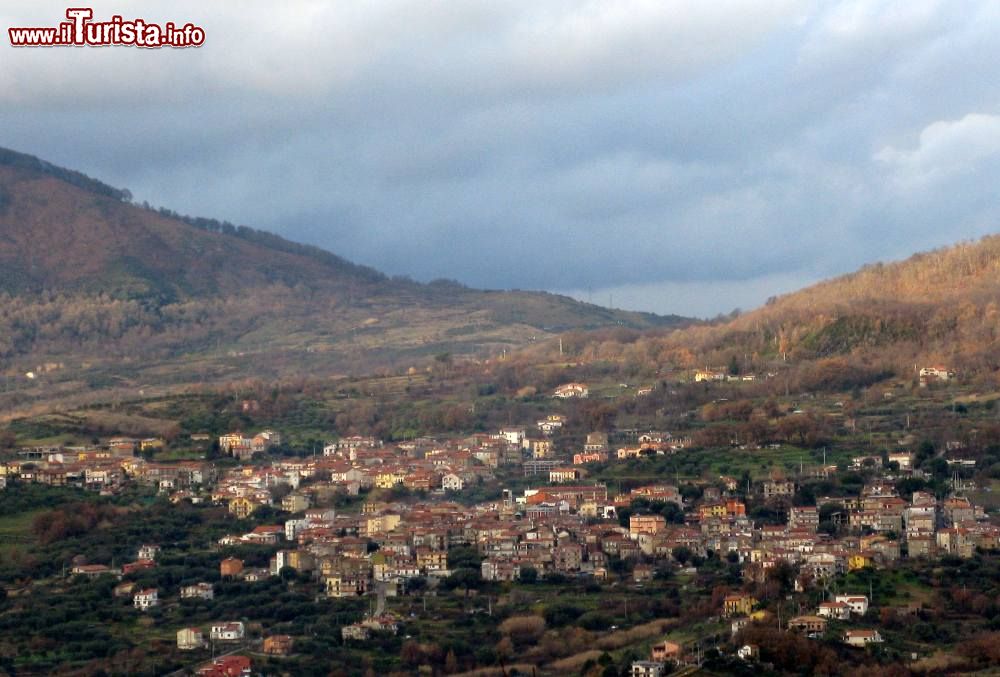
80,31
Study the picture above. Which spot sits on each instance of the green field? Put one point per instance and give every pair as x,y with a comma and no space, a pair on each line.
15,530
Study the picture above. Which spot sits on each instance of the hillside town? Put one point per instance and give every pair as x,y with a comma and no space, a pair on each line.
412,509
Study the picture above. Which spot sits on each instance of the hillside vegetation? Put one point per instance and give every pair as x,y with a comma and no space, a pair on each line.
940,307
97,292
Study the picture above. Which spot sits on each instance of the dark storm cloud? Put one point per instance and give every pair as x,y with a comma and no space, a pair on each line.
672,156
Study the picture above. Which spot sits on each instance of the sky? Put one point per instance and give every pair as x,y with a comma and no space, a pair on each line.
675,157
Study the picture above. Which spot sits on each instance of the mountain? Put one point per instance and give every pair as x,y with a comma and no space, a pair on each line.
96,291
887,319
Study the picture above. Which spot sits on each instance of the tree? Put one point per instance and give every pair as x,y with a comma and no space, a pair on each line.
682,554
528,575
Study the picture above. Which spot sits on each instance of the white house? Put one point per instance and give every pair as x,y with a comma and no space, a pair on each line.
551,423
939,373
513,436
568,390
862,637
198,591
452,482
647,669
146,599
836,610
148,552
227,632
857,603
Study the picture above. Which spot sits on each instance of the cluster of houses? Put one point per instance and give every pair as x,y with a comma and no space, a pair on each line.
102,468
240,446
565,526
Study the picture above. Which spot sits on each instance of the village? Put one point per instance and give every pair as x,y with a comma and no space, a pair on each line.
405,513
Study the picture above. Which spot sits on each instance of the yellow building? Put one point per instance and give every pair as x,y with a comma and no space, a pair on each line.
242,507
541,449
380,524
738,605
432,560
387,480
860,560
151,444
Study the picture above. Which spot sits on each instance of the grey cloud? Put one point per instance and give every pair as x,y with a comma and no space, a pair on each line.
682,153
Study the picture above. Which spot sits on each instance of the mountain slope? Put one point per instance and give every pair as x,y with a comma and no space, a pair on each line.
939,307
105,292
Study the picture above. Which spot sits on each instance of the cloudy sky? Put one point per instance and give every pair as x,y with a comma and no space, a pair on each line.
660,155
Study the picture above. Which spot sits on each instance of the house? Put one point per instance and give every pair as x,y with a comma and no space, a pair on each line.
569,390
232,440
835,610
647,669
921,544
148,552
860,560
862,638
665,651
227,666
738,605
590,457
295,503
198,591
152,444
230,567
265,534
242,507
189,639
551,423
146,599
452,482
748,652
92,570
709,375
278,645
541,449
355,631
958,511
432,560
494,569
642,573
563,475
346,585
138,565
803,517
778,489
858,604
935,373
646,524
256,575
596,441
808,624
903,459
957,541
227,632
514,436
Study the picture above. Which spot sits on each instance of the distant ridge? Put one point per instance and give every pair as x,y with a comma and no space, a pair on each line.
119,293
